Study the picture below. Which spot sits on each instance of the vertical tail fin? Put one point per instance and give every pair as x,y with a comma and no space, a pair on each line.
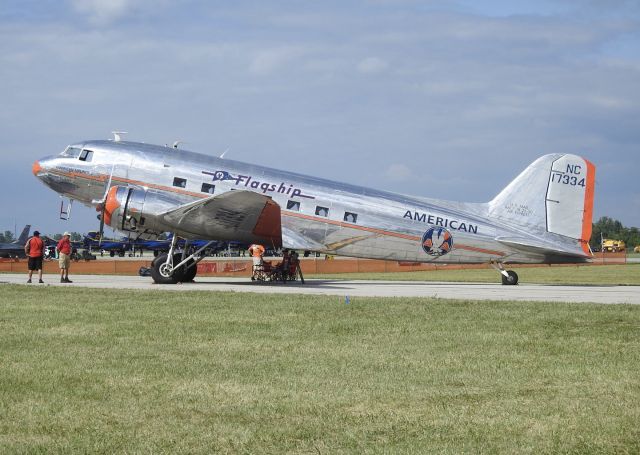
553,195
24,235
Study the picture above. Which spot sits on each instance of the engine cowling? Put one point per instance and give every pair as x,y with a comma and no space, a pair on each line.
137,210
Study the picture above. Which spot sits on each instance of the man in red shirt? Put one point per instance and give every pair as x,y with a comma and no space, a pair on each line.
34,249
64,257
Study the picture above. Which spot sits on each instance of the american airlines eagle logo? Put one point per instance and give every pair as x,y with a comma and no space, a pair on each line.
437,241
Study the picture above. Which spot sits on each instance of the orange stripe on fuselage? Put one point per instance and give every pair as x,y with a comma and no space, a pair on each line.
104,178
387,233
587,218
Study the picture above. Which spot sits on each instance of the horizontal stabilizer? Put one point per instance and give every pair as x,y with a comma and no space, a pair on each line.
528,245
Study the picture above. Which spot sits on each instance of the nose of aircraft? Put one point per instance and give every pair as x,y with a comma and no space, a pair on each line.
36,168
41,168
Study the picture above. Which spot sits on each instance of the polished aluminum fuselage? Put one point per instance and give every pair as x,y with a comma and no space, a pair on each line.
386,225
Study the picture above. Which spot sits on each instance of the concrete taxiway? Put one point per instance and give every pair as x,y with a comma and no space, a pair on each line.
467,291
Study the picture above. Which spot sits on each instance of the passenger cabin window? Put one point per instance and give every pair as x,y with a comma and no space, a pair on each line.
208,188
86,155
350,217
322,211
180,183
293,205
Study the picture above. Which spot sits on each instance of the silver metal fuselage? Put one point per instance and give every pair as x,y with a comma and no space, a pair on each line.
359,222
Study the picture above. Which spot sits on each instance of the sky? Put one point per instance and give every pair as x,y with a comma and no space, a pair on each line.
441,99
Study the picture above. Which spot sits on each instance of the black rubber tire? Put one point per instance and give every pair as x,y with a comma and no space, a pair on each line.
155,272
511,280
190,273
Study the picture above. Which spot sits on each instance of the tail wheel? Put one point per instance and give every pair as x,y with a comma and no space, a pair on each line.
163,273
512,279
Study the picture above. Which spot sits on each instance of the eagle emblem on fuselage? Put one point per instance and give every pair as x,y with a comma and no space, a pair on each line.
437,241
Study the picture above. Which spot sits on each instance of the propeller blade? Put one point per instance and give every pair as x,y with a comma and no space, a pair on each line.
101,231
103,205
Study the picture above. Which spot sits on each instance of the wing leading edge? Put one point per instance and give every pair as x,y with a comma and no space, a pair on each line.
236,215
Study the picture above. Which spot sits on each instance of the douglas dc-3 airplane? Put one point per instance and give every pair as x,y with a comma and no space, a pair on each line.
543,216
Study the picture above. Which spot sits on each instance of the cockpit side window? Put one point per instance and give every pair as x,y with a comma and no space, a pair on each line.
71,152
86,155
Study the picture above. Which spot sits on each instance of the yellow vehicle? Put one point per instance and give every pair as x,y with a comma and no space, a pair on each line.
613,246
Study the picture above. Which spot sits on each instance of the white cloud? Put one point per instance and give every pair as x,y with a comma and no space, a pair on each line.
270,60
397,172
103,11
372,65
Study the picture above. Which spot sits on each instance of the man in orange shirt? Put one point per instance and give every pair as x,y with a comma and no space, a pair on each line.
64,257
34,249
256,251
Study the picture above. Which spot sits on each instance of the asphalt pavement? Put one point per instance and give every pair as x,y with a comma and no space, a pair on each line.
360,288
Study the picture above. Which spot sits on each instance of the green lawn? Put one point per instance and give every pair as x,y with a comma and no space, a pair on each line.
627,274
89,371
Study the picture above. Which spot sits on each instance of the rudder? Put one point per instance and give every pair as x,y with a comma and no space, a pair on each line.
554,194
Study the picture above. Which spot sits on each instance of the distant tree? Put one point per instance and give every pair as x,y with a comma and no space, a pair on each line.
609,228
8,237
76,236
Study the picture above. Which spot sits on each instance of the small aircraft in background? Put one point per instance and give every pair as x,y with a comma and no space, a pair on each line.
542,217
15,249
93,242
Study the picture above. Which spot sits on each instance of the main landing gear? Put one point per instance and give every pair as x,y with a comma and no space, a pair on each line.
172,267
509,277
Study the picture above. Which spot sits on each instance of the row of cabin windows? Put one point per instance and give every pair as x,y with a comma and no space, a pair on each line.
292,205
205,188
349,217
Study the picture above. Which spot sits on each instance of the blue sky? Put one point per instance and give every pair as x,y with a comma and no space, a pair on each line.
443,99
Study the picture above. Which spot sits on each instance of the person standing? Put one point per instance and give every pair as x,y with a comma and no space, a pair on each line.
64,257
256,251
34,249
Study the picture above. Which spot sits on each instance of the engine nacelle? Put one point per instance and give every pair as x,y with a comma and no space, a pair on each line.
136,210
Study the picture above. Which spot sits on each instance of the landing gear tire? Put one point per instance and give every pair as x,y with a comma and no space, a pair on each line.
510,280
161,272
190,271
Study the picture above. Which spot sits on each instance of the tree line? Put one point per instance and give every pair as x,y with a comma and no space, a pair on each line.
609,228
8,236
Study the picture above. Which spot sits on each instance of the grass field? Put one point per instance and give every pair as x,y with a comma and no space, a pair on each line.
625,274
89,371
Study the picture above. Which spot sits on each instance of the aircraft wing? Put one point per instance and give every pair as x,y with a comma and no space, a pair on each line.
540,247
235,215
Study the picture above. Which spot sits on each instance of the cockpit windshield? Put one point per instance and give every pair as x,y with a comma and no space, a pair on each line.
71,152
